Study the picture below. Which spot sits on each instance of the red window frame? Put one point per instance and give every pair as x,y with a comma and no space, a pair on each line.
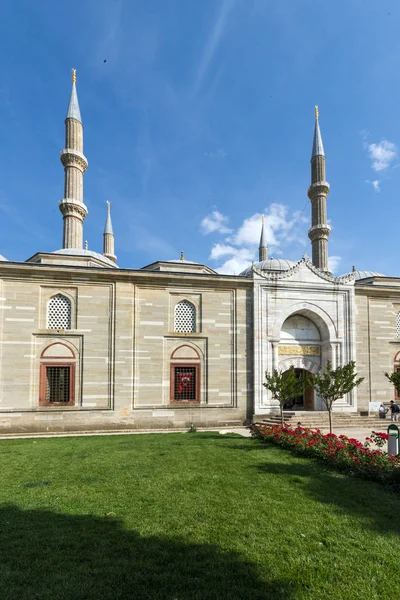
175,401
43,383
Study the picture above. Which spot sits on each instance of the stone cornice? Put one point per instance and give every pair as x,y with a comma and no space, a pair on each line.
391,293
84,274
305,261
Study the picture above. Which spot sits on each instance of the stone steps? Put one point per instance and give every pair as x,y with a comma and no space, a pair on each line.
321,420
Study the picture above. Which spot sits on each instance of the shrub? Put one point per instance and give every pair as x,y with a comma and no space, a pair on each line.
342,453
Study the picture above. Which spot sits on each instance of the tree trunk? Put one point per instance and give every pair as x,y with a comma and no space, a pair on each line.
282,421
330,419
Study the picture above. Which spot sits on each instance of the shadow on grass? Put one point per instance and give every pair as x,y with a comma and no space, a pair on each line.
378,507
47,555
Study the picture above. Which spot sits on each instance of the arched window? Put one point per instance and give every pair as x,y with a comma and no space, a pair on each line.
185,376
185,317
398,325
57,375
59,313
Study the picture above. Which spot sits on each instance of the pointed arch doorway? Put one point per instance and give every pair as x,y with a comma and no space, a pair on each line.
300,347
306,400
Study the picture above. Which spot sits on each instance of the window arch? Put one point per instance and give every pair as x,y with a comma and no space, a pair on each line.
185,376
57,375
398,325
185,317
59,312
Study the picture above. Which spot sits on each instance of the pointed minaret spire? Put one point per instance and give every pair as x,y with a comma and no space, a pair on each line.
75,164
318,147
263,248
317,192
73,111
108,236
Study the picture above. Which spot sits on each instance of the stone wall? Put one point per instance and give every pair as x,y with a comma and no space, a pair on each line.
376,341
122,338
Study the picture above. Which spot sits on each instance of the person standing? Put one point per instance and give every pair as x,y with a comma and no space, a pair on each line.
394,409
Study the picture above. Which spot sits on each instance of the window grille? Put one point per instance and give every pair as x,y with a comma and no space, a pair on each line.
59,313
185,383
185,317
398,325
58,385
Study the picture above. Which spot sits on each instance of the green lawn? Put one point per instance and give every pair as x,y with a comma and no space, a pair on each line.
189,517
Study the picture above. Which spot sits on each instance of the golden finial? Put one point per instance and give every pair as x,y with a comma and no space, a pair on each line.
182,255
73,75
316,112
108,206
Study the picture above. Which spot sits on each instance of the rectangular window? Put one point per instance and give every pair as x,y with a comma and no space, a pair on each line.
185,384
57,385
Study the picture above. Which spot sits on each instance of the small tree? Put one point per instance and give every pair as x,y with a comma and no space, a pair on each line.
284,386
395,379
332,384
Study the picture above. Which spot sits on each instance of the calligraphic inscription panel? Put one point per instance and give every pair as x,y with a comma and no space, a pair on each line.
303,350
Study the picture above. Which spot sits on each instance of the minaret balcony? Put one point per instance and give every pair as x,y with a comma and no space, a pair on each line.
318,188
73,158
73,208
318,232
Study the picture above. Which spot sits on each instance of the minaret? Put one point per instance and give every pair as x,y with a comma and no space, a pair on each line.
317,192
263,248
108,236
75,164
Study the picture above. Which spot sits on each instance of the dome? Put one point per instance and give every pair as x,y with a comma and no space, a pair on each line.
86,253
273,264
182,261
365,274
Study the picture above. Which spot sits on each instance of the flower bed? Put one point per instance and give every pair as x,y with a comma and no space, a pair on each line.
339,452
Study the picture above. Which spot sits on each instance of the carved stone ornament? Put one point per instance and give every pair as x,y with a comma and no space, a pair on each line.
72,208
319,232
299,363
304,350
73,158
277,275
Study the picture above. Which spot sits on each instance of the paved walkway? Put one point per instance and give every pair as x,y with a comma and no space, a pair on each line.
358,433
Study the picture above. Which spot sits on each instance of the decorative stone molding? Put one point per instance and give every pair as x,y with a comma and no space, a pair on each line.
73,158
318,188
318,232
72,208
299,363
278,275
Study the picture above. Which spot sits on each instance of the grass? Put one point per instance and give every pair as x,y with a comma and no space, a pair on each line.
189,517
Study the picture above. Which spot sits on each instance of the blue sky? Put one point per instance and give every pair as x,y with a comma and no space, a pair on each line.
200,120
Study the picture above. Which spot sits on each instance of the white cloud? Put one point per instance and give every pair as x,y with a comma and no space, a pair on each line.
275,223
381,155
375,184
215,222
240,248
217,32
333,263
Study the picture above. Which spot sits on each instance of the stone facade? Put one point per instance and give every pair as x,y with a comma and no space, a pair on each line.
122,344
325,302
377,337
87,346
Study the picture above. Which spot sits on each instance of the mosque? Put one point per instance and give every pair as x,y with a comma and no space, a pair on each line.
87,346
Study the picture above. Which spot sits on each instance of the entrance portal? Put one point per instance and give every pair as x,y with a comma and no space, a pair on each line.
306,400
